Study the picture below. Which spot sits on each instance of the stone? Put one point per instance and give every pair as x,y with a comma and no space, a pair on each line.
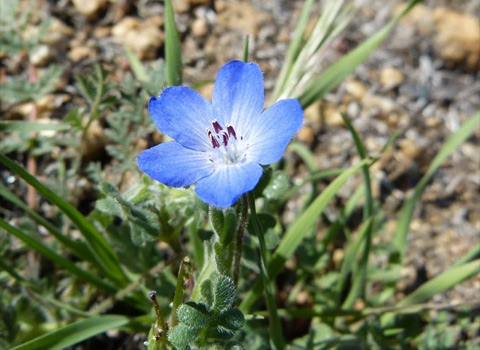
457,37
356,88
240,16
391,77
57,32
90,8
142,37
41,56
180,6
200,27
79,53
306,135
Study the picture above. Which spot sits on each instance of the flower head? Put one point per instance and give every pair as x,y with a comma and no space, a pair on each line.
219,145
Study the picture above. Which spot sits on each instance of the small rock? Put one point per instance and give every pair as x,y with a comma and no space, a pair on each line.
57,32
391,77
79,53
41,56
206,90
331,115
306,135
94,142
356,88
142,37
181,6
102,32
200,27
240,16
409,149
457,37
313,115
90,8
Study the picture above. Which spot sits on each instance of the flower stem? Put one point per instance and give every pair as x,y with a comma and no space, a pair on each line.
275,328
239,243
180,288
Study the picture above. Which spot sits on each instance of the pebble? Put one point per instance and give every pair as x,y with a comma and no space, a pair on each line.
306,135
41,56
94,142
200,27
79,53
181,6
356,88
89,8
391,77
57,32
206,90
142,37
240,16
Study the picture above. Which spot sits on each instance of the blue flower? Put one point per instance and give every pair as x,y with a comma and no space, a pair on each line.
219,145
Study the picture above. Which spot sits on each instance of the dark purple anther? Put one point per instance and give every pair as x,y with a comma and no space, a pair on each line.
231,131
214,141
216,126
225,138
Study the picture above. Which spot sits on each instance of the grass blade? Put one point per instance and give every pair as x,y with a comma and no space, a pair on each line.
336,73
442,282
58,259
297,231
76,247
406,214
173,54
351,253
105,257
74,333
28,126
360,274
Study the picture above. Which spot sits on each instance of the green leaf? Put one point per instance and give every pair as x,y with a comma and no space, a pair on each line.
224,293
181,335
297,232
109,207
232,319
446,280
193,315
28,126
406,214
278,186
137,66
173,53
74,333
336,73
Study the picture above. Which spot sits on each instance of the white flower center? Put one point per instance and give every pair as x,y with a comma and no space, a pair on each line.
228,147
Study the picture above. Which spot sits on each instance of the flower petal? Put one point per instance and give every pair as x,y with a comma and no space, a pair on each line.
228,183
184,115
238,95
273,130
174,165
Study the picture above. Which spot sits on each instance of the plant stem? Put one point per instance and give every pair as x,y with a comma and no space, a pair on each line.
239,243
275,327
180,288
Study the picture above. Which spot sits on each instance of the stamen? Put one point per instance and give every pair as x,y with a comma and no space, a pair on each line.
214,142
225,138
212,138
231,131
216,126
